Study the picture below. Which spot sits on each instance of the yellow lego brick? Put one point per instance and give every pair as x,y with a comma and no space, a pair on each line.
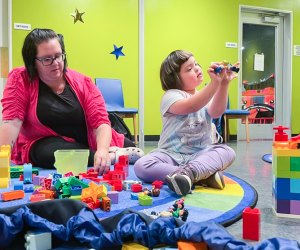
5,148
133,246
285,152
4,182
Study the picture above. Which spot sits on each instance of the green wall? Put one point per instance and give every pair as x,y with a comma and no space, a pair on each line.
201,27
88,44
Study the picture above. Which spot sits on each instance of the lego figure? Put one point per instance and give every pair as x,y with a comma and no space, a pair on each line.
178,210
154,192
226,65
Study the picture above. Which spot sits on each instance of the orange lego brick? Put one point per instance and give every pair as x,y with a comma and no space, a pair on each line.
12,195
185,245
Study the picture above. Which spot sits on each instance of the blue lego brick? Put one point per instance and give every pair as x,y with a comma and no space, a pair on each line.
18,185
282,190
76,190
27,174
295,186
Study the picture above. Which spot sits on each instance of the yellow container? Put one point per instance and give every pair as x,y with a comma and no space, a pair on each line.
72,160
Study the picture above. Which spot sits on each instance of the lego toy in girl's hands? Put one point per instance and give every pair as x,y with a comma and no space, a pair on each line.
226,65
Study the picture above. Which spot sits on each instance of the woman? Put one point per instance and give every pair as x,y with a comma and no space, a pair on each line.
47,107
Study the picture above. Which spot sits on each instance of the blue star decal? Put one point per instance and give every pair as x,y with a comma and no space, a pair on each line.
117,52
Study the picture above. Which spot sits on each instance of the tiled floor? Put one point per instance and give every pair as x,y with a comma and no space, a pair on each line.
250,167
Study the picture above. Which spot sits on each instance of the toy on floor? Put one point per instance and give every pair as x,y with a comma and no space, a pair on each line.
38,240
154,192
251,224
177,210
286,174
5,152
226,65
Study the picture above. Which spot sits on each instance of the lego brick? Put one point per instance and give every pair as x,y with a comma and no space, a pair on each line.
38,180
73,181
106,203
16,171
285,152
282,163
76,190
114,196
4,182
133,246
27,174
38,241
283,206
295,174
295,185
145,200
12,195
37,197
185,245
75,197
251,224
295,163
295,207
28,188
18,185
282,190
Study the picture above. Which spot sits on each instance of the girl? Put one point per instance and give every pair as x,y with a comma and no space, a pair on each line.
185,154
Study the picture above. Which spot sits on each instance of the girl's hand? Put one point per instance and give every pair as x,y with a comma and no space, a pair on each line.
225,75
216,77
102,161
229,75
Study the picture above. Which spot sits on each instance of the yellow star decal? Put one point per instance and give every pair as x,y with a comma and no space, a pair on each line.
77,16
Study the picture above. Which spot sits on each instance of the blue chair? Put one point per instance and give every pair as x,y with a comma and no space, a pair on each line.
235,114
112,92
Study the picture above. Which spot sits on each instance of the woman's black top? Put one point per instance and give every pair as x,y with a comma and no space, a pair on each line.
62,112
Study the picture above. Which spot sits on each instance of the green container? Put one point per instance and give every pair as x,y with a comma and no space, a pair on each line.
72,160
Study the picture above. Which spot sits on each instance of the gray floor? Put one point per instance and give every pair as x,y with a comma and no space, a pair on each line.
250,167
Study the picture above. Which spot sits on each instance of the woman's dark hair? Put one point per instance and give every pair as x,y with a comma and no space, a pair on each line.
170,67
29,50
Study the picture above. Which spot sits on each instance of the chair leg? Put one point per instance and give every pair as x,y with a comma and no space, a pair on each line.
225,129
247,129
135,130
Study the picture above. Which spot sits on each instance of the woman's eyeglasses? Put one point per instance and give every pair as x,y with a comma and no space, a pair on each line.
47,61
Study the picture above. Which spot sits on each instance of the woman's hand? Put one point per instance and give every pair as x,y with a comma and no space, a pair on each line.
102,161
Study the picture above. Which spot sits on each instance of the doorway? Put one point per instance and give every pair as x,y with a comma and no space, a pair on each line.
265,77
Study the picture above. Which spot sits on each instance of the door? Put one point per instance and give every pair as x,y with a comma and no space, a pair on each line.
261,81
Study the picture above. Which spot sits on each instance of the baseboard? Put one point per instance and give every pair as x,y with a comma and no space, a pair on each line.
152,137
233,137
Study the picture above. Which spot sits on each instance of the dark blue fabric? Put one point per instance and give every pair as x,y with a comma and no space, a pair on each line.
85,228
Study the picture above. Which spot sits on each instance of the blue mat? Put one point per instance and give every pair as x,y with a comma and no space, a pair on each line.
267,158
204,204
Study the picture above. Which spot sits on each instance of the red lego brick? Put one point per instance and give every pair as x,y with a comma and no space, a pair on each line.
136,188
280,135
251,224
123,159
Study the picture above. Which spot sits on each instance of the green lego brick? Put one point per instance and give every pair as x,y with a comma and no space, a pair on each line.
295,163
283,174
281,163
75,197
145,200
16,171
73,181
295,174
